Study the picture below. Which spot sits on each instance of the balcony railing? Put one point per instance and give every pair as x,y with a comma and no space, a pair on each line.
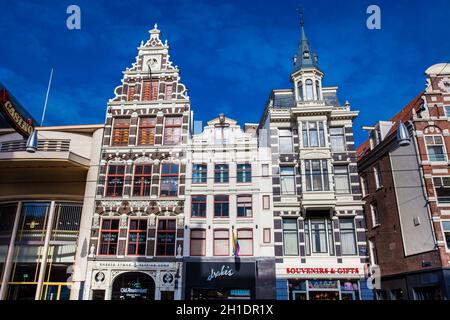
58,145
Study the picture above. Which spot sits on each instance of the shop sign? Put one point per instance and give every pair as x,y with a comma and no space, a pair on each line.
322,270
323,284
112,264
224,271
16,120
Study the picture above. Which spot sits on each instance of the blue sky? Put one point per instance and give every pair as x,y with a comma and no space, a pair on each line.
231,53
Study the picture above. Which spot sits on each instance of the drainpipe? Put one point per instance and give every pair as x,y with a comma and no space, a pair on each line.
44,255
9,257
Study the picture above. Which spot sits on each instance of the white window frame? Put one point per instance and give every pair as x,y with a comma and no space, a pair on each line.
378,176
434,144
372,215
447,247
323,178
305,125
435,189
327,222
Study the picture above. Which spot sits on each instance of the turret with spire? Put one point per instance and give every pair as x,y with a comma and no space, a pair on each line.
306,76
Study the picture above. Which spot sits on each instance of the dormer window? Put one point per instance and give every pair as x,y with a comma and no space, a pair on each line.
309,90
306,55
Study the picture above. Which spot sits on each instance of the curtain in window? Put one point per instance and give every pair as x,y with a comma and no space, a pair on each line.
348,239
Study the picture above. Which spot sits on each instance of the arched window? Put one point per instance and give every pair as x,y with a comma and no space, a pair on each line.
300,90
317,90
309,90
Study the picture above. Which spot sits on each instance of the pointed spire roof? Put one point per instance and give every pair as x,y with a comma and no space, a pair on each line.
304,58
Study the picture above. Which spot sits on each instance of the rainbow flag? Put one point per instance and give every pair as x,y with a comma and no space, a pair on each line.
235,245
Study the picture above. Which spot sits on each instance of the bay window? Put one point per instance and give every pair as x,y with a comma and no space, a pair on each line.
313,134
348,236
316,175
319,237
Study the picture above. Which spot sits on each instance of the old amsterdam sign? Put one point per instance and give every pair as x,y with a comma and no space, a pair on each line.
16,120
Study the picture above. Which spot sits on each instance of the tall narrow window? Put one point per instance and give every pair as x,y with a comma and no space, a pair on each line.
199,173
313,134
285,139
137,237
109,235
121,132
142,180
115,180
317,90
267,235
150,90
147,130
165,239
341,179
330,236
168,92
221,135
375,214
337,139
266,202
172,130
245,238
287,180
309,90
169,180
198,242
373,252
244,206
221,173
307,239
221,242
348,237
442,188
435,148
221,206
265,170
244,172
317,175
131,92
198,207
364,186
378,176
300,91
290,237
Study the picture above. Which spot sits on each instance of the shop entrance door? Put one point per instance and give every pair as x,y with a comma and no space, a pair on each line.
133,286
299,295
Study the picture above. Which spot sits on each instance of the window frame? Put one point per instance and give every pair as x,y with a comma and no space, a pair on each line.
378,176
442,145
265,240
202,239
200,173
441,185
222,203
245,206
150,90
324,175
166,231
199,204
227,239
318,132
173,126
291,232
124,131
114,175
138,232
169,176
347,176
109,231
151,127
338,135
444,233
143,175
222,173
283,136
374,214
243,173
328,231
288,176
355,238
240,239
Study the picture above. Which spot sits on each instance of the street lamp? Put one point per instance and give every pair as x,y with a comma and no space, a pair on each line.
32,142
402,135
